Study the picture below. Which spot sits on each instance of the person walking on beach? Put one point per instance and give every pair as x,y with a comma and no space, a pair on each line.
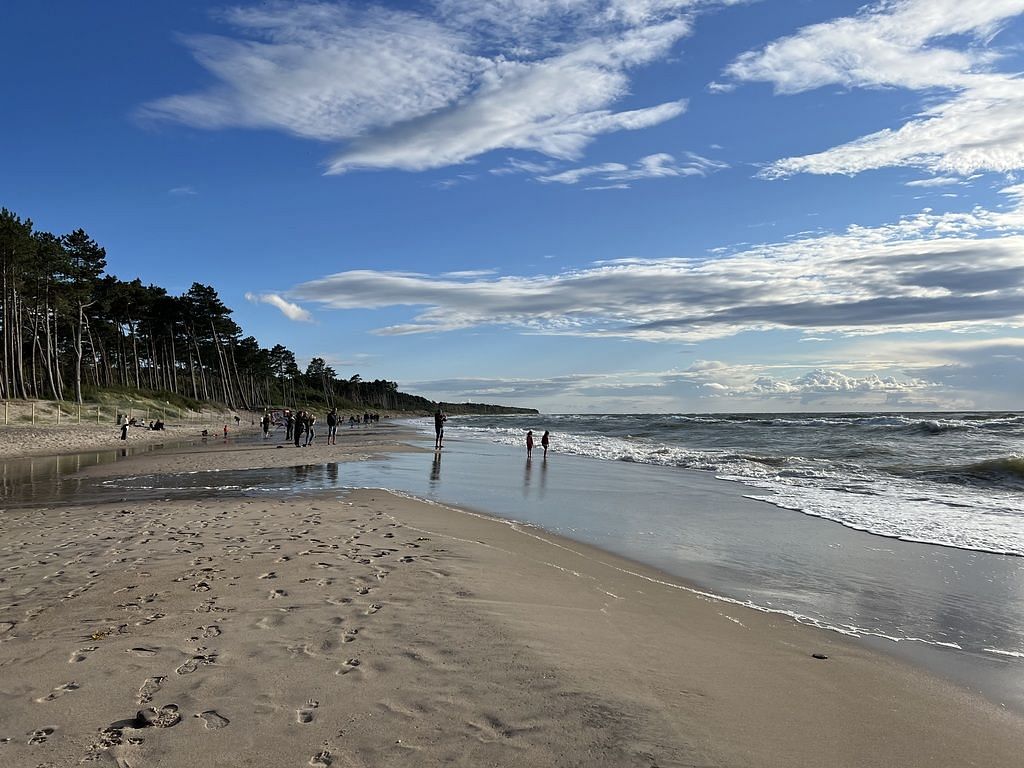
265,423
332,426
439,420
225,431
545,440
529,443
289,425
124,429
300,422
310,432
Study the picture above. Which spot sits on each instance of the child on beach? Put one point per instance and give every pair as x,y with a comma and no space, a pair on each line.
545,441
529,443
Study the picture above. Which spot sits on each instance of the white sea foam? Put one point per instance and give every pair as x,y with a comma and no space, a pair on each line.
986,518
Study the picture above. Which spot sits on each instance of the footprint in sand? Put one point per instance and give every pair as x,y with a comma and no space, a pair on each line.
201,586
59,691
40,735
269,575
363,591
349,635
374,607
149,689
141,652
205,633
348,666
321,759
149,619
81,654
6,626
213,719
307,712
274,593
197,661
166,716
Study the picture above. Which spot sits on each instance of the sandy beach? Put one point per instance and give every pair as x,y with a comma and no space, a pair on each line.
378,630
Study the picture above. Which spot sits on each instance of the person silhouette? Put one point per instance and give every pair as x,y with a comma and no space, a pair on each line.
439,419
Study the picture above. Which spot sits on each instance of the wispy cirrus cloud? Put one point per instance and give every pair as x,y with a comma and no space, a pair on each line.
436,86
935,181
657,166
925,272
289,309
975,119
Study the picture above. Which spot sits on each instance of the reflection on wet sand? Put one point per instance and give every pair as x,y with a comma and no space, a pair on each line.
435,470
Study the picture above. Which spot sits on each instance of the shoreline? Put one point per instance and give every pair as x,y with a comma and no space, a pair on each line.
642,662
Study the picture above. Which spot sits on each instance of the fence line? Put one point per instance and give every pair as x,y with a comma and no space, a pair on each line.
54,413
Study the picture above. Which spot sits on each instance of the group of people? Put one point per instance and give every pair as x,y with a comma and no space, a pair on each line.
440,417
545,443
124,423
300,427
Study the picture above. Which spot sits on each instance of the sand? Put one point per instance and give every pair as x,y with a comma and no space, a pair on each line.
377,630
25,440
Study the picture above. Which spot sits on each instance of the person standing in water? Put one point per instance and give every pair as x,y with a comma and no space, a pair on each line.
545,441
529,443
439,420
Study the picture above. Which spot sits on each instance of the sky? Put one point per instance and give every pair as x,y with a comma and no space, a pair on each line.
574,205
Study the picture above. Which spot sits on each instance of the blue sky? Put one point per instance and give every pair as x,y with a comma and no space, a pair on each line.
575,205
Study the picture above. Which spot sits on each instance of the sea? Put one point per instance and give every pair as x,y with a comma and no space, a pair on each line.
904,532
950,479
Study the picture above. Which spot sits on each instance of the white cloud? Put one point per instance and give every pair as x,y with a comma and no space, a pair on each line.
439,86
926,272
323,71
185,191
758,381
288,309
935,181
657,166
976,126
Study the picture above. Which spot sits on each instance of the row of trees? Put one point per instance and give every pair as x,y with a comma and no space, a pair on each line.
67,326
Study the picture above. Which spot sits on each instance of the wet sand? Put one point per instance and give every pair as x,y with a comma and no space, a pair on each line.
376,630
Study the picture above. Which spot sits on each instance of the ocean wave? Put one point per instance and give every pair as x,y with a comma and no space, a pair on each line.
974,506
1003,472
